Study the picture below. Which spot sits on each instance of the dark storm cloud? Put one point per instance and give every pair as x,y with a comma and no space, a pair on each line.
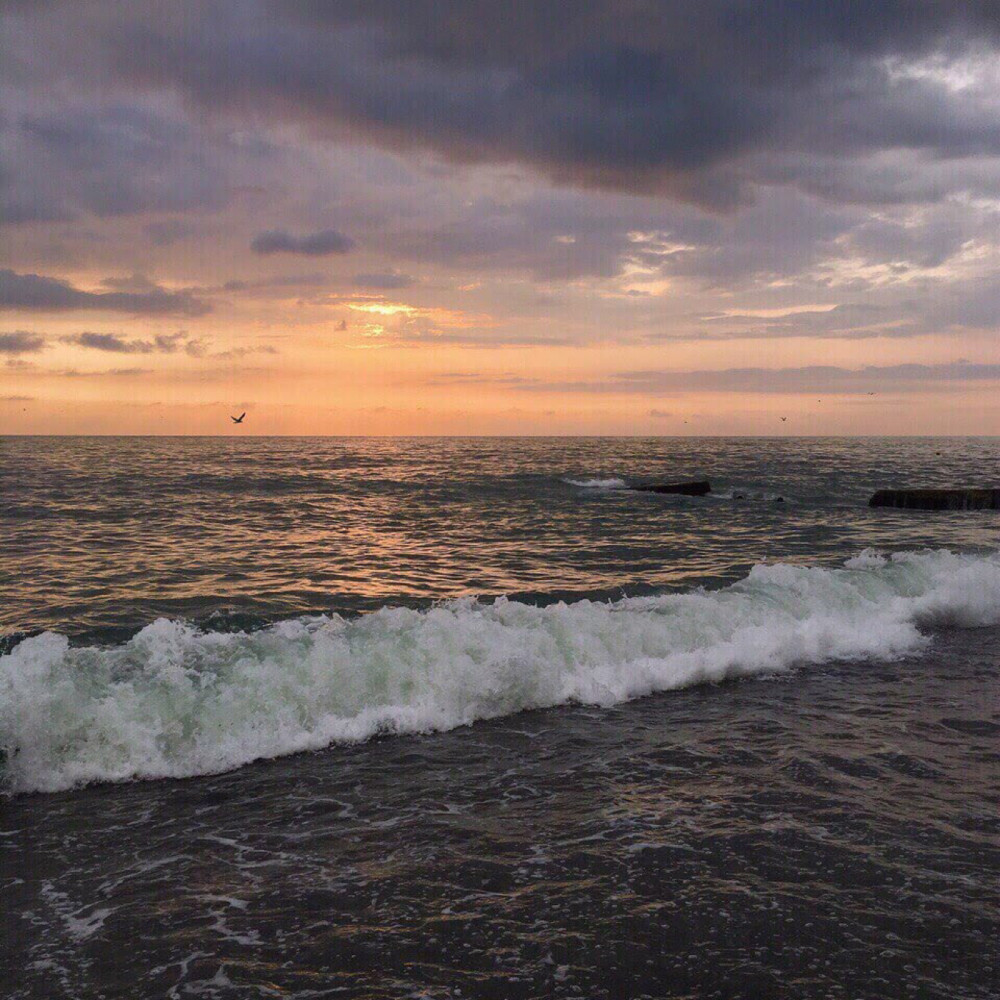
21,342
321,244
37,292
650,96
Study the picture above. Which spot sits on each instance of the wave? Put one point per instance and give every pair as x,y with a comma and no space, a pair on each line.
598,484
175,701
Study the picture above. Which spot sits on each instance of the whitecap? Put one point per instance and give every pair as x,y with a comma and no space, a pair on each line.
175,701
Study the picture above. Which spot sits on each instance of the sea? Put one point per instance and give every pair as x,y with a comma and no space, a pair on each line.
469,717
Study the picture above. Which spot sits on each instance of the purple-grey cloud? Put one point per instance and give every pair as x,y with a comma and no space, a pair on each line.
321,244
21,342
105,373
387,280
114,343
830,379
37,292
590,93
118,160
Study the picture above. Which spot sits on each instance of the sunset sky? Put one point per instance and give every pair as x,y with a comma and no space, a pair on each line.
482,217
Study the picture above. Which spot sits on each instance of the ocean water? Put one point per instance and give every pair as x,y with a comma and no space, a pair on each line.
468,717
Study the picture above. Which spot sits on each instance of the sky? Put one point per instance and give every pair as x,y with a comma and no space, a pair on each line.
500,217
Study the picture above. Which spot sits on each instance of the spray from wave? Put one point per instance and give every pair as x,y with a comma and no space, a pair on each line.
597,484
175,701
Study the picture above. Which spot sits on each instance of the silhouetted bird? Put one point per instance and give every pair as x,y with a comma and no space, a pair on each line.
783,419
239,419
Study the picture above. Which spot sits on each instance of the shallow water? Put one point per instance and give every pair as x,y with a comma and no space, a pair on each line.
829,830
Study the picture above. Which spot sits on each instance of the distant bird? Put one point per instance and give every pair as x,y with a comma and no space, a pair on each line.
873,394
783,419
239,419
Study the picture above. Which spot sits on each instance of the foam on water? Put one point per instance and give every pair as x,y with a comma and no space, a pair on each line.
598,484
175,701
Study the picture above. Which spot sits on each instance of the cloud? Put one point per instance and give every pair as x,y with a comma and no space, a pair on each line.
134,282
634,172
321,244
105,373
17,399
507,380
168,232
278,281
21,342
122,159
108,342
383,280
848,321
236,353
36,292
419,333
113,343
593,94
806,379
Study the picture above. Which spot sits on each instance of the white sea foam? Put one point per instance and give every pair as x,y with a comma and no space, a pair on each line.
597,484
175,701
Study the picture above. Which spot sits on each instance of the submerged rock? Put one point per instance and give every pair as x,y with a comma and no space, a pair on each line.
938,499
695,489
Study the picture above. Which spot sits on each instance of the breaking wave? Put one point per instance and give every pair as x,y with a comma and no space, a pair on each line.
175,701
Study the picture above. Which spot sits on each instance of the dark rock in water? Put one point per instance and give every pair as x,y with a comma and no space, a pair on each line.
933,499
780,500
698,489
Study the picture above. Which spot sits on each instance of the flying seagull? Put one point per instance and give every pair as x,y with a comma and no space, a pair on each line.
783,419
239,419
